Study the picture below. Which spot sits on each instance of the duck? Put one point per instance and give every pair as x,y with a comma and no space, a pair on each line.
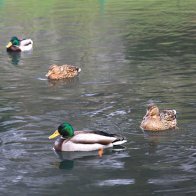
156,120
19,45
57,72
71,140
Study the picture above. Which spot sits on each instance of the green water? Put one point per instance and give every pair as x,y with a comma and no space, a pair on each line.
131,53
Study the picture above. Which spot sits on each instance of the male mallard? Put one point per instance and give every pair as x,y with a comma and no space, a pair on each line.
71,140
154,120
56,72
17,45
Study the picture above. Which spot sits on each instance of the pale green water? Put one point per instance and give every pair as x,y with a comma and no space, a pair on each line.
131,53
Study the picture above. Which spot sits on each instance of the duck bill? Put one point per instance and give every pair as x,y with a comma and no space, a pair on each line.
9,45
55,134
48,74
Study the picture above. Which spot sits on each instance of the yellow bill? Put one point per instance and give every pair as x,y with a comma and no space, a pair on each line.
55,134
9,45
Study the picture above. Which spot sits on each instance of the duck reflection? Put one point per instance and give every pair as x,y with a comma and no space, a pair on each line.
66,164
69,82
74,155
68,158
110,159
15,57
156,138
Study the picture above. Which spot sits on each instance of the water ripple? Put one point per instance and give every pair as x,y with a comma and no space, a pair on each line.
116,182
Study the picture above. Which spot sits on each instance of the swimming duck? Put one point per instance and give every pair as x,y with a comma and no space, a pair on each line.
18,45
71,140
56,72
156,120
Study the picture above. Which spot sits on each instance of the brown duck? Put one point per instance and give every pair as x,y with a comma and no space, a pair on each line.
156,120
56,72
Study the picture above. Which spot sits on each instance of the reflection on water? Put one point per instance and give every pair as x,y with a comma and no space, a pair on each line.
15,57
68,83
131,53
75,155
155,139
66,164
67,159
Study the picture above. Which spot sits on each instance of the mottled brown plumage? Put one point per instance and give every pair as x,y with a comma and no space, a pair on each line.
56,72
156,120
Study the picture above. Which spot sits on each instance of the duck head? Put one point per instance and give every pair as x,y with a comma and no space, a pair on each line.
53,69
152,111
13,42
65,130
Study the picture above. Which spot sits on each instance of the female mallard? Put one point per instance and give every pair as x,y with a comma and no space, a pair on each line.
56,72
71,140
17,45
154,120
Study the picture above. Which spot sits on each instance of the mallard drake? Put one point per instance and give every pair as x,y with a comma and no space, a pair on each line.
156,120
71,140
18,45
56,72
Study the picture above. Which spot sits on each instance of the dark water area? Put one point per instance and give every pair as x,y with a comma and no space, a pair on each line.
131,53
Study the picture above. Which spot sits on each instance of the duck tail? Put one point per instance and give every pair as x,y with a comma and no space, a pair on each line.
119,141
78,69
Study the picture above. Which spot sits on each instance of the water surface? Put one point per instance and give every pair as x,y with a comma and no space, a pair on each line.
131,53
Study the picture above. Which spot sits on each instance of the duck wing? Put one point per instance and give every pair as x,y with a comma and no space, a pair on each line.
168,115
92,137
26,42
70,70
